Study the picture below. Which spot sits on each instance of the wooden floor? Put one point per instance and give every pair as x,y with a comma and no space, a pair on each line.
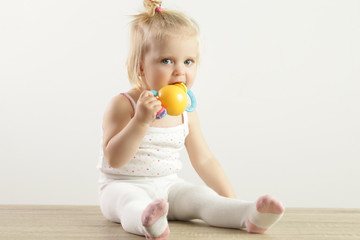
87,222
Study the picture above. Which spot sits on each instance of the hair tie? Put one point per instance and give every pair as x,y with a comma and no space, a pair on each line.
157,4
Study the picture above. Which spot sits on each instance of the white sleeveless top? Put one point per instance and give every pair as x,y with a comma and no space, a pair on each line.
158,153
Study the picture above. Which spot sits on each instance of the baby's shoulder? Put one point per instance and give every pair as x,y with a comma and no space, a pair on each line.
119,105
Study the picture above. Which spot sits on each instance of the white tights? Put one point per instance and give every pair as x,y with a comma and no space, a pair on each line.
124,201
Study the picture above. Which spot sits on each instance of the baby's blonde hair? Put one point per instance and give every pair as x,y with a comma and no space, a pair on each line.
156,23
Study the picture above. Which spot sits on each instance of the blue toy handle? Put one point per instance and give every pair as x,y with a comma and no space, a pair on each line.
193,105
154,92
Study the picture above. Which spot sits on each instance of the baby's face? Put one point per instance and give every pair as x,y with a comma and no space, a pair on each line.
169,61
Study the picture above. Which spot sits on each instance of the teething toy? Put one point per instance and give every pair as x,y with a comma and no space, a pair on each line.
173,99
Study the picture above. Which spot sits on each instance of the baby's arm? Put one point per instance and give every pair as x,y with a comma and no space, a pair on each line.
204,162
122,132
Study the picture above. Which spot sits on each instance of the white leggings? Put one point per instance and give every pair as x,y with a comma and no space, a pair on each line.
123,201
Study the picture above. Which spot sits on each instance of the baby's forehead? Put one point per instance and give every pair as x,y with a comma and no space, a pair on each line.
169,44
175,38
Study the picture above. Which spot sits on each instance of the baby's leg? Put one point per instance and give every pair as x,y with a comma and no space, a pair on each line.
132,207
199,202
194,202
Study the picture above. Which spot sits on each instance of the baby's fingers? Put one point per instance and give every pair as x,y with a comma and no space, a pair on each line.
156,105
146,94
147,97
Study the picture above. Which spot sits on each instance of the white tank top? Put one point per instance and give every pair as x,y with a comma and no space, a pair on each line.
158,153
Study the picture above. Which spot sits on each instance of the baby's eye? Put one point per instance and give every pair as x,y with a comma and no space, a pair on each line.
188,61
166,61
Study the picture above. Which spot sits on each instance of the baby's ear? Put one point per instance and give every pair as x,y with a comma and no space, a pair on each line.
141,69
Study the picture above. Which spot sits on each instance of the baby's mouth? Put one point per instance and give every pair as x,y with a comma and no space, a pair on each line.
178,83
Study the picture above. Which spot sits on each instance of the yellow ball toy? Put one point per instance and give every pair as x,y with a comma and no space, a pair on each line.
173,98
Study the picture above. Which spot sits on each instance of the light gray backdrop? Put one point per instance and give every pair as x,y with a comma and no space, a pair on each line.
278,93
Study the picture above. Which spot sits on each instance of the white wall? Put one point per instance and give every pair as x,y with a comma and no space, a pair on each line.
278,92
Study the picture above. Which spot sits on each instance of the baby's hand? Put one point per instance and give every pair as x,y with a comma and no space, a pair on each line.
147,107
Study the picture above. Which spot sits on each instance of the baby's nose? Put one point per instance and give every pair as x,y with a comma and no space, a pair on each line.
179,70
